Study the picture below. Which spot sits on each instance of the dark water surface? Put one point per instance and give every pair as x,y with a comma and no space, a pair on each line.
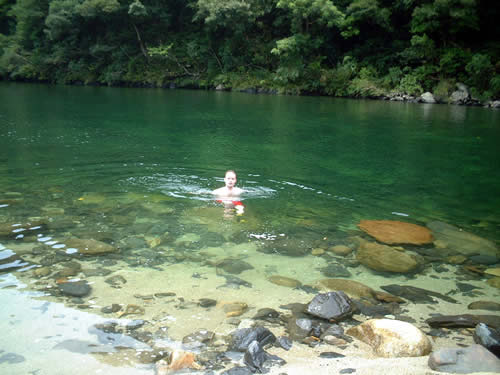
119,165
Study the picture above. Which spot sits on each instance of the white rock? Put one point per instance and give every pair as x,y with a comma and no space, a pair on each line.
392,338
427,97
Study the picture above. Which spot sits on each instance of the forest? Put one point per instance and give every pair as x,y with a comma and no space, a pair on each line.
343,48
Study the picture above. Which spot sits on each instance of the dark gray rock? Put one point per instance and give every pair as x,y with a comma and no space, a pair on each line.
134,324
256,358
267,314
299,328
234,266
207,302
484,305
463,321
198,338
284,342
76,289
331,355
238,370
347,371
241,338
484,259
488,337
474,358
417,295
331,306
111,309
334,270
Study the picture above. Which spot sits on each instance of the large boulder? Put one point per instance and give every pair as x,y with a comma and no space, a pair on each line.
386,259
475,358
392,338
396,232
456,240
461,95
427,97
90,246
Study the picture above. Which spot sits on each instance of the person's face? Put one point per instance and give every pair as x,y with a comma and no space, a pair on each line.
230,179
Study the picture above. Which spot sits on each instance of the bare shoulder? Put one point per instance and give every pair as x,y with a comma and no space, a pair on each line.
238,191
219,191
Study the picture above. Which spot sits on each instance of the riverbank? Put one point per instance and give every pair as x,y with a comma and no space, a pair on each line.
460,96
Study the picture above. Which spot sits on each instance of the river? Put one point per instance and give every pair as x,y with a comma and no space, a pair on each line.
133,169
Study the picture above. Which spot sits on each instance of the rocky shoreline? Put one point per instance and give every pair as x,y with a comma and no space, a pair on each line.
336,319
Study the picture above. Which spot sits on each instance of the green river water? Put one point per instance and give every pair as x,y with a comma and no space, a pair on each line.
134,168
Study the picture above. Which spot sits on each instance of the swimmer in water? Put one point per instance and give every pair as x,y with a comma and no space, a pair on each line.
229,194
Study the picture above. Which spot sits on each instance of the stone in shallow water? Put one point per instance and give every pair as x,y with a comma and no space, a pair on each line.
417,295
76,289
335,270
464,321
392,338
242,338
284,281
484,305
396,232
331,305
386,259
351,287
474,358
234,266
459,241
90,246
340,250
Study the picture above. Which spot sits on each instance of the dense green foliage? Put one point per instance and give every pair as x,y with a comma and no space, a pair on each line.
357,48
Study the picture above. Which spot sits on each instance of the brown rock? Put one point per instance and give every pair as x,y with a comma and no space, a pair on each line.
494,282
90,246
234,308
396,232
317,251
178,360
340,250
456,259
386,259
284,281
356,289
392,338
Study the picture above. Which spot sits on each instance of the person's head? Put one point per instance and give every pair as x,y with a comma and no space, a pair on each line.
230,178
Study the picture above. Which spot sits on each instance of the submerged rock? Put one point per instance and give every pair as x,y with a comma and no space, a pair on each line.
459,241
392,338
90,246
284,281
396,232
76,289
335,270
233,266
484,305
474,358
463,321
256,358
386,259
331,306
416,295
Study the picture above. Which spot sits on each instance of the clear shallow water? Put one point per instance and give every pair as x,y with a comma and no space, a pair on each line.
135,167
